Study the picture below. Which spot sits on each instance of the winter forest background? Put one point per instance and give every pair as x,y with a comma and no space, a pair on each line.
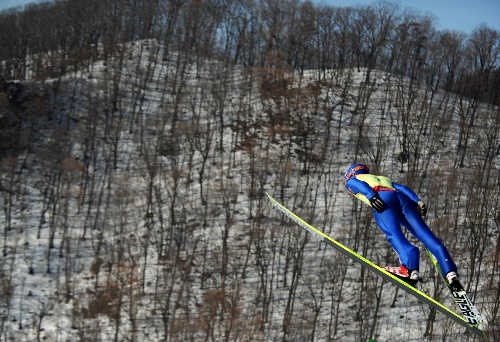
138,139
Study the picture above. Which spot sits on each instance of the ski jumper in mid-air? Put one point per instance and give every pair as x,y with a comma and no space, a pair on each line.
395,205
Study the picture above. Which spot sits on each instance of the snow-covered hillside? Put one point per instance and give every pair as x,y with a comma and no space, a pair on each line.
139,213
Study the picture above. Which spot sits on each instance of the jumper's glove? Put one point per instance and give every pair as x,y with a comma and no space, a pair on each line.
423,208
377,204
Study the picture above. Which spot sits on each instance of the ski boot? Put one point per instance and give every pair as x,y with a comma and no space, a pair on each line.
410,277
453,281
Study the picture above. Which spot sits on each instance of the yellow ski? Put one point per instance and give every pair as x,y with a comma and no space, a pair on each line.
461,298
379,270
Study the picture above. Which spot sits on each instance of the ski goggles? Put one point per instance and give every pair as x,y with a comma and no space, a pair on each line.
350,173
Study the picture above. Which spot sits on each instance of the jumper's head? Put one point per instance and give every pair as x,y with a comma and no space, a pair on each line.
356,169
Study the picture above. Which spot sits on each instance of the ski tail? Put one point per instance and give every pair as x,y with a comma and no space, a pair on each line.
462,299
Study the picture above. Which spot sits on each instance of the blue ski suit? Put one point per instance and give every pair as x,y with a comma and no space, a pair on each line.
400,209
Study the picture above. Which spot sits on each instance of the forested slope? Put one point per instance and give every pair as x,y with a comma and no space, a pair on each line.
138,140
